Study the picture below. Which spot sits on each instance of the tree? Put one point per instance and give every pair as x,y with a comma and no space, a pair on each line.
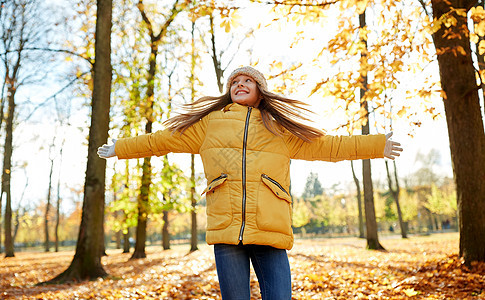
380,52
359,201
216,58
58,204
193,200
370,59
313,187
426,174
129,88
119,205
395,195
63,114
230,21
22,26
451,38
155,41
7,162
123,205
86,263
169,193
301,214
440,204
48,204
18,214
369,208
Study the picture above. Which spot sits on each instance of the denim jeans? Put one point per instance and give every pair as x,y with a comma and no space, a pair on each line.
270,265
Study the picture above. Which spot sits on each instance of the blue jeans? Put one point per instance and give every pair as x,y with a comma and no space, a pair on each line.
270,265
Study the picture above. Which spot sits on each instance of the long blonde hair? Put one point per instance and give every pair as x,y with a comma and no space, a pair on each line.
286,112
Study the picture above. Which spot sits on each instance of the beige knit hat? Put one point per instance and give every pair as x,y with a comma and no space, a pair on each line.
249,71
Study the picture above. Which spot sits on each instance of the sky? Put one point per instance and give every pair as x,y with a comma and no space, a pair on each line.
269,45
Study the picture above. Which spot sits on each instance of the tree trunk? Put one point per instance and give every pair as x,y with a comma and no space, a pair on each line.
193,202
126,236
146,178
10,82
395,196
119,232
216,61
47,208
430,220
141,227
1,217
193,211
86,263
7,166
58,205
126,241
165,231
370,214
359,202
17,224
465,126
118,239
2,117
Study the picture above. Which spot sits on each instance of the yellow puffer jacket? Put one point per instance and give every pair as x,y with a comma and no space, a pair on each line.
248,170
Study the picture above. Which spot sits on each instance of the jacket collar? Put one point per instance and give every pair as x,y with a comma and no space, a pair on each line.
238,108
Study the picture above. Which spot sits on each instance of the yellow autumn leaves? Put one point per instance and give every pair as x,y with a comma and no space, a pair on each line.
477,14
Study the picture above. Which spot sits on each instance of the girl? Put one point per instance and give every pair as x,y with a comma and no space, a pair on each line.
246,139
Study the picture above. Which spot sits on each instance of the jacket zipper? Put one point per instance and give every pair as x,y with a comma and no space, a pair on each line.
220,177
275,183
245,140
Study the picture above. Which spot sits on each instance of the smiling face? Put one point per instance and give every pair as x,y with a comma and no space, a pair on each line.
244,91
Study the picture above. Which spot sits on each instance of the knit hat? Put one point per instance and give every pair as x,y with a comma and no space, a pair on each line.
249,71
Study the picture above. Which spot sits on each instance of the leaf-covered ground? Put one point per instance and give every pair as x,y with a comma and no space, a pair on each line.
338,268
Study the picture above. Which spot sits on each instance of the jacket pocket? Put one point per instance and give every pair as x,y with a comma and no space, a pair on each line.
274,206
277,189
219,210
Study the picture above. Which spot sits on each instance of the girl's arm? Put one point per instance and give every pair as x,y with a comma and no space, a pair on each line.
163,142
337,148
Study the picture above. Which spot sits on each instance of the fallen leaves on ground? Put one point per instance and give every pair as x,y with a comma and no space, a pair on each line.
338,268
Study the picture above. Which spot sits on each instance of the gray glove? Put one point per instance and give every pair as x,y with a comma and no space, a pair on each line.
107,151
391,150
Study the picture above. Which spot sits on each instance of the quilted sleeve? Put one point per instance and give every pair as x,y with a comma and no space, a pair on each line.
162,142
337,148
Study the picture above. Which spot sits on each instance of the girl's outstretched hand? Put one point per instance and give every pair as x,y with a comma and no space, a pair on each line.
392,149
107,151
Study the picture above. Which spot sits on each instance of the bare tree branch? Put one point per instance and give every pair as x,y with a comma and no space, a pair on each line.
90,61
282,3
53,96
296,3
173,13
425,8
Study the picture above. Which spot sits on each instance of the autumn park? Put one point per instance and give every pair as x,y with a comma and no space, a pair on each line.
83,81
